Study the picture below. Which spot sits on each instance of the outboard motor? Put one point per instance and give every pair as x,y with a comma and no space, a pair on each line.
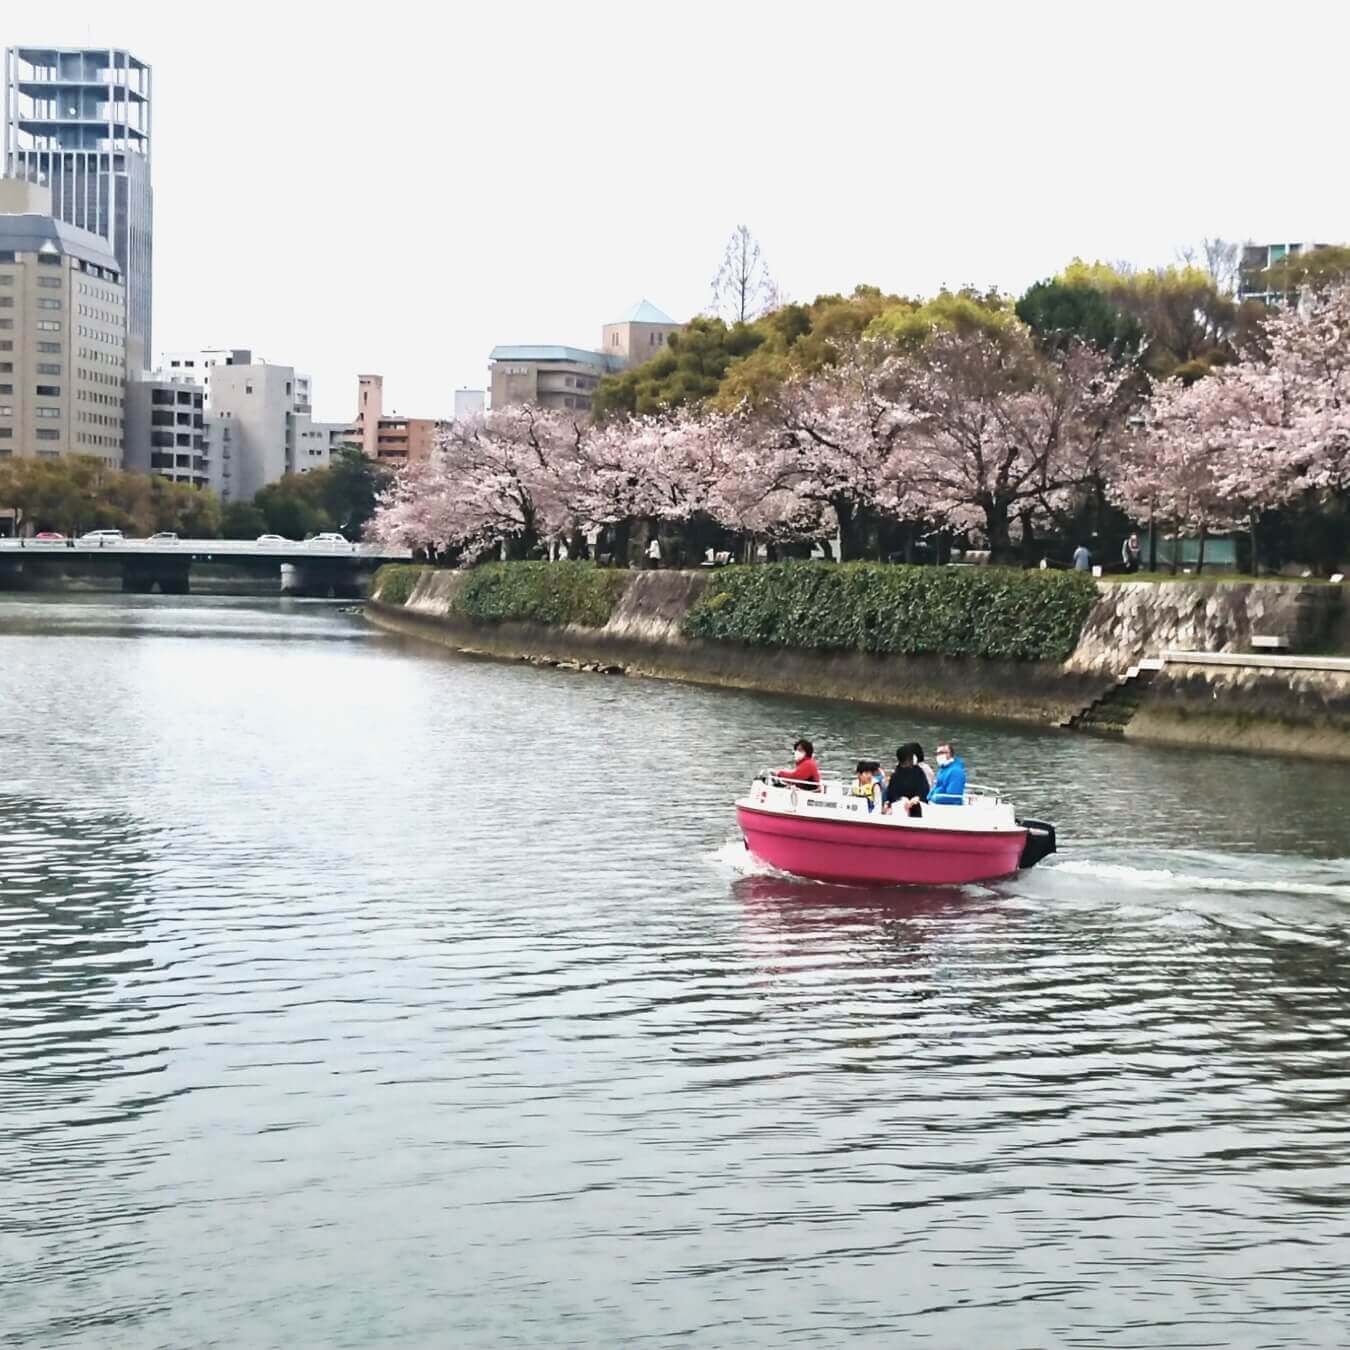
1040,841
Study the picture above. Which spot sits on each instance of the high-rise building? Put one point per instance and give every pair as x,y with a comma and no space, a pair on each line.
62,333
77,120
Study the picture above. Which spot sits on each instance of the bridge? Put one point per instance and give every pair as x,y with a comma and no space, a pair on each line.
313,568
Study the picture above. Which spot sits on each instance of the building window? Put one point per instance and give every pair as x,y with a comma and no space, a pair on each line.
6,410
6,388
50,259
248,388
47,367
49,325
48,347
48,390
47,412
6,433
46,302
47,434
49,281
6,302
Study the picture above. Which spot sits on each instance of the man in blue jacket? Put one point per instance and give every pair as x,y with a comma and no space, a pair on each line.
949,787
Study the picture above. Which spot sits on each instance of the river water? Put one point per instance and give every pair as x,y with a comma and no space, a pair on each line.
357,994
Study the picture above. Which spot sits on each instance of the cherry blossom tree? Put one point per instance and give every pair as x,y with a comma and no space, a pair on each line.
1001,432
1259,434
1309,357
495,481
827,446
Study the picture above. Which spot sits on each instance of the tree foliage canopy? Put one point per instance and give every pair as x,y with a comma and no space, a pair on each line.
80,492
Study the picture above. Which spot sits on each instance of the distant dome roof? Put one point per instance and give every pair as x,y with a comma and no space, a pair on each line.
646,312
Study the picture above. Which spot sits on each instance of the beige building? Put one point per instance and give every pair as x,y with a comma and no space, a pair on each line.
638,335
62,334
552,377
565,377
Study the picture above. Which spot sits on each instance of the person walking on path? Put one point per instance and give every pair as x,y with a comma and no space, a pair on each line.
1130,553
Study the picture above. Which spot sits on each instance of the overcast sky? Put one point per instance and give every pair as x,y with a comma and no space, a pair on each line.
397,187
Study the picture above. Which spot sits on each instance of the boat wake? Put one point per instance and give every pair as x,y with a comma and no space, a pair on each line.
1249,876
735,858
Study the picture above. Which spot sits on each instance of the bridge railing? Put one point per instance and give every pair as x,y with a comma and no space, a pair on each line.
214,547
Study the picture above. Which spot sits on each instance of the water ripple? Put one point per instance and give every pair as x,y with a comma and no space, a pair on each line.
357,995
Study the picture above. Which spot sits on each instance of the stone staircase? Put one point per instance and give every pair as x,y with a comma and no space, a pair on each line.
1110,713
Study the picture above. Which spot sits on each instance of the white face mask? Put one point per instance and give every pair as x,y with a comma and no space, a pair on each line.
944,759
799,755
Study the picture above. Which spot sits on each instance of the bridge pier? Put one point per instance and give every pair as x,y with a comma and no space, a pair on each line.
322,578
14,576
140,576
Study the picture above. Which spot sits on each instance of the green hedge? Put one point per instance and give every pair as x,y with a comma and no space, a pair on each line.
541,592
394,582
990,612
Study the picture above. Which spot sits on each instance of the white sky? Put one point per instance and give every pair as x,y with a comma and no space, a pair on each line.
399,186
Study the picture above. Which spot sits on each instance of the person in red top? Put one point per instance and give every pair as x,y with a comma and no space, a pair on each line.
805,772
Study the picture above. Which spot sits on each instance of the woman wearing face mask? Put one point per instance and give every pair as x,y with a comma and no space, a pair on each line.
804,771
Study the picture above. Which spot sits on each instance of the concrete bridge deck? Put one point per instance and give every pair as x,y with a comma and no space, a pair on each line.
314,567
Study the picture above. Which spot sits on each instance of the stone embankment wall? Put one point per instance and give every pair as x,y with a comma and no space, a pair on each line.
1135,620
1305,712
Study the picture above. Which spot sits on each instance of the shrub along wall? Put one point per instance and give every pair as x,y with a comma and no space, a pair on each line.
554,593
394,582
987,612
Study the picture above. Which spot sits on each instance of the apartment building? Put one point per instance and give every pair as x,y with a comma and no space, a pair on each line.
391,439
1253,281
261,404
199,363
167,433
62,333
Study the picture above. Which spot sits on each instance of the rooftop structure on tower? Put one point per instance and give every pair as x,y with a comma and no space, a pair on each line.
77,121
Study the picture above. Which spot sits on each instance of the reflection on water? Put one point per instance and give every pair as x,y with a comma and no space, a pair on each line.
360,995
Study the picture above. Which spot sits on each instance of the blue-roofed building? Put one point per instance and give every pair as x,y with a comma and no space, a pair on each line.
556,376
639,334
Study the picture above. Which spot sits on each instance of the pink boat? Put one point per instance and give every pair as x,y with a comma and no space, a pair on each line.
831,836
